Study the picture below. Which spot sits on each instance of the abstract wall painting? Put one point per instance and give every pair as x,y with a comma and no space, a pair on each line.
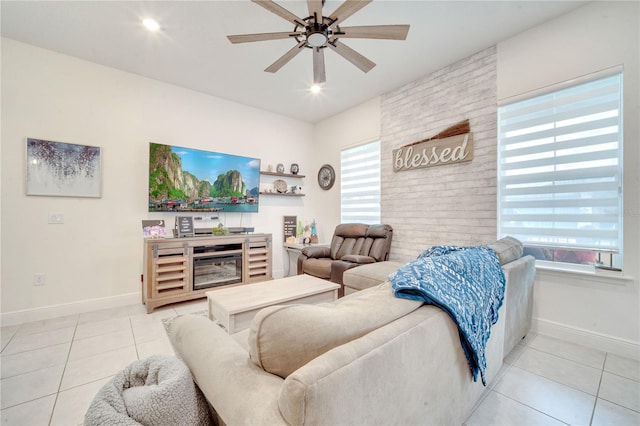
63,169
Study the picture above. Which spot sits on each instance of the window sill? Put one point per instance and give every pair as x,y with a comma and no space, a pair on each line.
584,273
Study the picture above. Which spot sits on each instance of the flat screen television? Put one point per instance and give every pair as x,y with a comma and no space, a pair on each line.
191,180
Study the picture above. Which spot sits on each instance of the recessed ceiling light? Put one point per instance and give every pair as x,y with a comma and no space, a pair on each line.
151,24
315,89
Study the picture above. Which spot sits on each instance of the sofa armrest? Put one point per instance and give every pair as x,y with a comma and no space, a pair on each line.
359,259
520,275
239,391
317,251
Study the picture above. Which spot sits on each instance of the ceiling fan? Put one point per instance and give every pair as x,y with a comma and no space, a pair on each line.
318,32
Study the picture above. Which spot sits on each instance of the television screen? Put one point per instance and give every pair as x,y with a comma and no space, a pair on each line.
190,180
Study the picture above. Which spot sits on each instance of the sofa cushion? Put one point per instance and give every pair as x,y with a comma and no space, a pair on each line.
508,249
284,338
370,275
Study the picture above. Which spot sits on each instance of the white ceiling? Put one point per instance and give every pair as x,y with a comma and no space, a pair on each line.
192,51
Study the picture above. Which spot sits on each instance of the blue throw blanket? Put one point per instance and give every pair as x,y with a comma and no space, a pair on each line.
467,283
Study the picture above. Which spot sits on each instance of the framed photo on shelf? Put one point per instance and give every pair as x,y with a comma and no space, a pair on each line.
62,169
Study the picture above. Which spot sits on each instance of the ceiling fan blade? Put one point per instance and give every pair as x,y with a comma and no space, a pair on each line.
386,32
280,11
346,9
315,9
319,75
282,61
352,56
245,38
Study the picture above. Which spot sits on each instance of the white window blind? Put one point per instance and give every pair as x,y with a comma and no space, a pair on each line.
360,184
560,167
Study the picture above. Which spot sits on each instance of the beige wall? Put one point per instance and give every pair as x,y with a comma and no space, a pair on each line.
353,127
595,37
597,310
97,254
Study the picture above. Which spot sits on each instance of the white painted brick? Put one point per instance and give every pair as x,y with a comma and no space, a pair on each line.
450,204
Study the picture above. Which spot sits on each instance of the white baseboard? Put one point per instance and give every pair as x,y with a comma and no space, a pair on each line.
54,311
621,347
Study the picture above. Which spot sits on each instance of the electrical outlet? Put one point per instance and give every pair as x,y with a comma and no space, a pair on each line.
56,218
38,279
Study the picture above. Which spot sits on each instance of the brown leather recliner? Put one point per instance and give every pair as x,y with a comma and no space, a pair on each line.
353,244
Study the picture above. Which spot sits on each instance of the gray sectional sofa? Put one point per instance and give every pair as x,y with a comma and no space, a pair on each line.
367,359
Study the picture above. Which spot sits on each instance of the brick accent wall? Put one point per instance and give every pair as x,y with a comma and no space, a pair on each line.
447,204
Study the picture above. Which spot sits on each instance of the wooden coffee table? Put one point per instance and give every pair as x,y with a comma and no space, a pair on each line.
234,307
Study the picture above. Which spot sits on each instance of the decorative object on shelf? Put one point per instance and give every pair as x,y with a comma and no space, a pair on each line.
280,186
184,226
306,234
326,177
270,168
295,168
299,230
289,227
314,232
220,230
62,169
153,228
280,168
291,240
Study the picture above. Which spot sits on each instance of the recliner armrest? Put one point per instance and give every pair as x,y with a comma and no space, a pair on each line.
337,270
359,259
317,251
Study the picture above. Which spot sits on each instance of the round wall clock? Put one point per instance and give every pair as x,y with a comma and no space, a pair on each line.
326,177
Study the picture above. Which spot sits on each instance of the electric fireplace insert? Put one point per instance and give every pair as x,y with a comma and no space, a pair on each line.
215,266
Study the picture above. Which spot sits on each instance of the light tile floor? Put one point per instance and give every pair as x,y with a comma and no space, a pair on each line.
50,371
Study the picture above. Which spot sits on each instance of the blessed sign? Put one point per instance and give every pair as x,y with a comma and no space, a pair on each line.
436,152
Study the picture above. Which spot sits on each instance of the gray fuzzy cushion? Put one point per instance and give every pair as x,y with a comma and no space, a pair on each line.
155,391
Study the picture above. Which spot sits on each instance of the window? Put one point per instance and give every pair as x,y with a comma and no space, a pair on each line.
560,173
360,184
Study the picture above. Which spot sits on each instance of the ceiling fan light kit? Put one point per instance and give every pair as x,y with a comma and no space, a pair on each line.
318,32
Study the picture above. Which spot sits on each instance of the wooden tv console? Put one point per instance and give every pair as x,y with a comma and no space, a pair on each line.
169,265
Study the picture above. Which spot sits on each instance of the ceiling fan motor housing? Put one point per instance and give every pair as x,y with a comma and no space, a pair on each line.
317,35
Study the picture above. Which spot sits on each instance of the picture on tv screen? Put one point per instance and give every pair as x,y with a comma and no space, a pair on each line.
191,180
